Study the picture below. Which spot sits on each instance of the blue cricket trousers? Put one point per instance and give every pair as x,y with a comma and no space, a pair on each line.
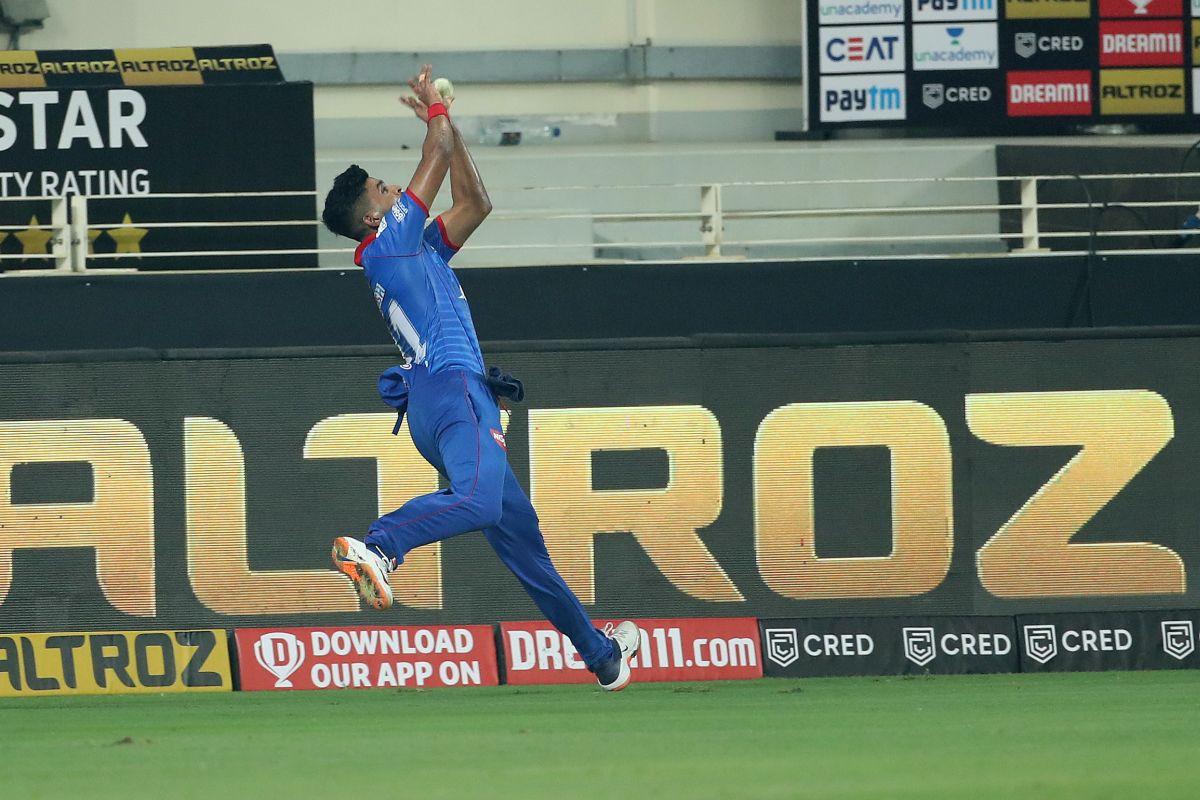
455,424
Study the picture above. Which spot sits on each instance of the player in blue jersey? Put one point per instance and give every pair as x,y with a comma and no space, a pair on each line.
452,408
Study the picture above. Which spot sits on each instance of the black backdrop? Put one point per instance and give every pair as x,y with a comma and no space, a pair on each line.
223,138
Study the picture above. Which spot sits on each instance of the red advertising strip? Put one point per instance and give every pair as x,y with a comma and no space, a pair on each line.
1141,43
1141,8
1050,93
671,650
366,657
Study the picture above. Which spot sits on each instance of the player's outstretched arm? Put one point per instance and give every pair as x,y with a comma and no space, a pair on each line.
470,201
439,142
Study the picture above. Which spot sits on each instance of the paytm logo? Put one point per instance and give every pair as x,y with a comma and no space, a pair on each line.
946,10
966,46
873,48
854,98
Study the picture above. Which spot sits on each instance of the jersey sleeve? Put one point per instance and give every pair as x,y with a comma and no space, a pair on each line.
435,237
400,229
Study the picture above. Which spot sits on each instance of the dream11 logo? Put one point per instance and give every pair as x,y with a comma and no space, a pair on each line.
280,654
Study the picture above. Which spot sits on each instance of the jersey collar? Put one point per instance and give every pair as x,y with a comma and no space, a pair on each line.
358,251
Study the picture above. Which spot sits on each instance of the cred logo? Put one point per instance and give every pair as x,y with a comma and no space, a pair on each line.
921,645
1029,44
1178,638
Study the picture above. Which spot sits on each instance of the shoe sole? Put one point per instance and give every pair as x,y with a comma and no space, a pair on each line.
371,588
625,676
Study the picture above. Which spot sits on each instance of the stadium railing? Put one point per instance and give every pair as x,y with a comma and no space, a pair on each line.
68,245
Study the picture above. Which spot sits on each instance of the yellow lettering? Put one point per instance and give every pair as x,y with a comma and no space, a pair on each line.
922,506
664,521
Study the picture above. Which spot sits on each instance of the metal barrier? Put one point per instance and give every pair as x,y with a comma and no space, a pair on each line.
70,231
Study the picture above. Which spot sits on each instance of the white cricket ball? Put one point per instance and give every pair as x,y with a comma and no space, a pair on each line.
445,88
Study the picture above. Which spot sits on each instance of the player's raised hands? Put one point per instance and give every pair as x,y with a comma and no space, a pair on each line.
423,87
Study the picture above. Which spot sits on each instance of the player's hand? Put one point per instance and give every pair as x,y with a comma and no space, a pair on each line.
422,110
423,87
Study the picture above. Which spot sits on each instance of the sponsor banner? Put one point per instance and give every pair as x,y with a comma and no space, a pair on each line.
1050,93
955,46
161,66
671,650
1047,9
1195,42
1034,44
130,142
970,97
114,662
851,12
863,48
1141,43
1196,8
888,646
948,10
1141,8
853,98
1141,91
1196,91
1109,640
366,657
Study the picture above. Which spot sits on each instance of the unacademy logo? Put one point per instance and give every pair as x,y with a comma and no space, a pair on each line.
954,34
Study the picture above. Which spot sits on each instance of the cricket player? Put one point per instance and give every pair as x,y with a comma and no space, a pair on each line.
450,400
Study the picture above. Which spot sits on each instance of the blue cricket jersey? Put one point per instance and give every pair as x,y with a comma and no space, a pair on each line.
406,264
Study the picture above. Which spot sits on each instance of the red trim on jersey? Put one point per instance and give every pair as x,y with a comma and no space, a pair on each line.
418,201
358,251
445,236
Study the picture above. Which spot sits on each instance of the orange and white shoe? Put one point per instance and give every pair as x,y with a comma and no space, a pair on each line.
367,569
615,676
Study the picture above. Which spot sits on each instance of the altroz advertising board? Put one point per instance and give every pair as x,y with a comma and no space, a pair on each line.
956,479
1001,65
127,143
114,662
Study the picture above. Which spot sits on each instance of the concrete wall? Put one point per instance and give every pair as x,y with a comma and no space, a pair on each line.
595,112
379,25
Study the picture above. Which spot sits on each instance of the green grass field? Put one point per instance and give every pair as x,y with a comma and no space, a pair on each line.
1107,735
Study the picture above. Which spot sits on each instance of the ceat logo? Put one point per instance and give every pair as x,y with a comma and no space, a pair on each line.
1178,638
864,48
783,645
280,654
1041,642
919,646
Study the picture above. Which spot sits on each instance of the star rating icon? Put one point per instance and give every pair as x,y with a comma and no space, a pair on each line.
128,237
35,240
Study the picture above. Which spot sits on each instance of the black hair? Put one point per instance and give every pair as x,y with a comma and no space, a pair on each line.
341,204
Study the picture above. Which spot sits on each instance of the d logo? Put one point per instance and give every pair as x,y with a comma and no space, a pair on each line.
933,95
1026,44
280,654
783,645
919,646
1041,642
1179,638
